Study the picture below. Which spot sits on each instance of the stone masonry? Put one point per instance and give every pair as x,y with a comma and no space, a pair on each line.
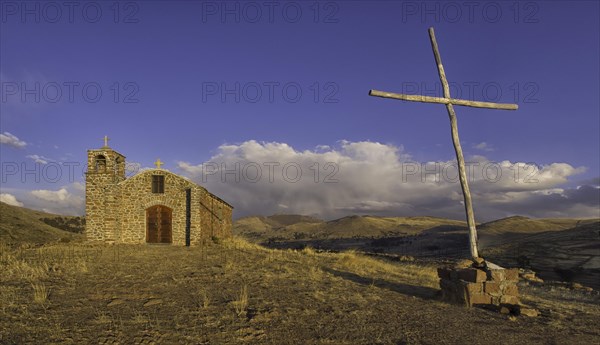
116,206
490,285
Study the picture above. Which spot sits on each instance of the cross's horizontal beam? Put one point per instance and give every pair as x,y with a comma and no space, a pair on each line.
442,100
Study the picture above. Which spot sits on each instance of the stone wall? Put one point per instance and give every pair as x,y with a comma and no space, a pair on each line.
116,207
490,285
135,196
105,167
215,217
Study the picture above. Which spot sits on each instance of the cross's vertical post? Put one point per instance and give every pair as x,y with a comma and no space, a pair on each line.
450,102
464,183
106,139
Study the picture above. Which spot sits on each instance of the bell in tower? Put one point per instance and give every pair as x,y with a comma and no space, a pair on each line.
106,161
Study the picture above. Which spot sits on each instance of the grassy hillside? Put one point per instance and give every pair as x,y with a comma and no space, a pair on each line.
571,255
240,293
517,226
290,227
19,225
557,249
369,226
295,227
236,292
524,224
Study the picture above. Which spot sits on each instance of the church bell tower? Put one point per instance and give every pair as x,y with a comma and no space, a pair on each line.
105,168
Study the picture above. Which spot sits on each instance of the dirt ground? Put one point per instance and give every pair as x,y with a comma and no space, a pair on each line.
239,293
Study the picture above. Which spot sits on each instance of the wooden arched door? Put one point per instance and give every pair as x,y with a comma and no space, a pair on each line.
158,224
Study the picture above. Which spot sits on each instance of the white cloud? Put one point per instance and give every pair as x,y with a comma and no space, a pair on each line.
78,186
7,138
362,178
483,146
375,178
10,199
39,159
49,195
68,200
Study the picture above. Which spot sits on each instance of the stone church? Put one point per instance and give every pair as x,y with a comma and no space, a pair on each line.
153,206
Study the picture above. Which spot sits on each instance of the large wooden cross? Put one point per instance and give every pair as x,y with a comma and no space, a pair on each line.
450,102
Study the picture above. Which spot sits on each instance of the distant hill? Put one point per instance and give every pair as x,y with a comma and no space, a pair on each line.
290,227
567,255
520,224
290,219
297,227
566,249
260,228
371,226
516,228
22,225
262,225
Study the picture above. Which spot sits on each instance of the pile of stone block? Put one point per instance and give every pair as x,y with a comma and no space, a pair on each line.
489,285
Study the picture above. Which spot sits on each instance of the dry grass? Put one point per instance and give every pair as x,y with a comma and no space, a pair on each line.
37,264
240,304
14,267
40,293
239,243
202,299
8,298
308,251
103,317
205,300
368,266
315,274
236,292
229,265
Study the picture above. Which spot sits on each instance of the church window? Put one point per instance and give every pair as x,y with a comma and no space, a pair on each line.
100,163
158,183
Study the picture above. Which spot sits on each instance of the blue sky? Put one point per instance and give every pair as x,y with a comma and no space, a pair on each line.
194,82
